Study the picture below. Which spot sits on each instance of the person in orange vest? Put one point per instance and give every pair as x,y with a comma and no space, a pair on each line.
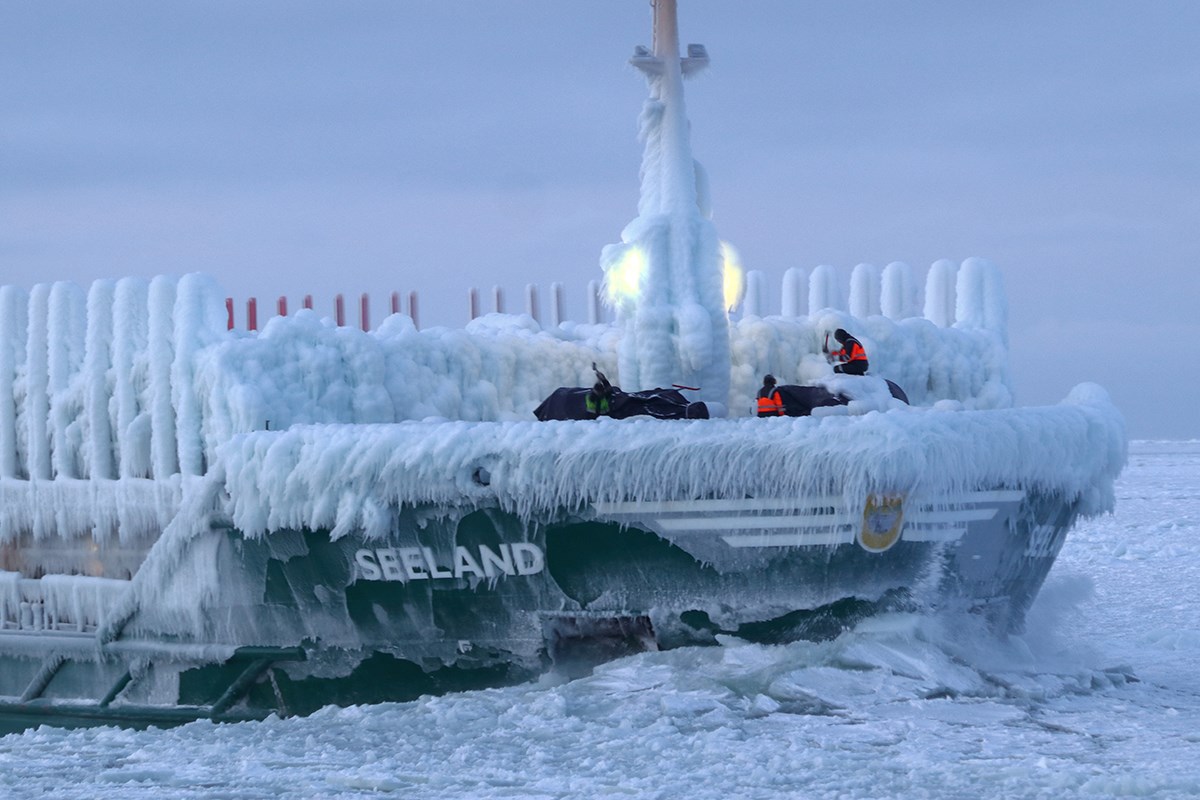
852,356
770,401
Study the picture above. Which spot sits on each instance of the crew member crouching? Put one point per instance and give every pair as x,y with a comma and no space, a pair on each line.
853,356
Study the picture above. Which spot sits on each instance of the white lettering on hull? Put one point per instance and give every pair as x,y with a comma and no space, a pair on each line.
404,564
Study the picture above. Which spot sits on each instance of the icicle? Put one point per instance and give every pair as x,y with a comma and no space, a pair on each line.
794,284
970,294
939,293
14,308
823,291
165,460
97,360
992,304
755,303
864,291
898,298
65,345
37,398
197,315
129,350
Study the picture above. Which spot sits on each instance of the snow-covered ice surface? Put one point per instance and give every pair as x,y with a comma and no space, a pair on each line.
1096,699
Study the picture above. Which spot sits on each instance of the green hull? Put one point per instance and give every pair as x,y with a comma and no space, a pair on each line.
298,619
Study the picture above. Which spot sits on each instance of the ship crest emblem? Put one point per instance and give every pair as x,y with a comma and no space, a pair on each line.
883,518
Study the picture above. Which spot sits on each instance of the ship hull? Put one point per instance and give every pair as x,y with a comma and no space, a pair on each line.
451,599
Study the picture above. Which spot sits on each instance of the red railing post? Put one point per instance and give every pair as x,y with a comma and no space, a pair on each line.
364,312
281,305
412,309
229,311
395,302
308,301
339,310
252,314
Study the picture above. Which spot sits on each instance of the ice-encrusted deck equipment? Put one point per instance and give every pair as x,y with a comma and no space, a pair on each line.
204,523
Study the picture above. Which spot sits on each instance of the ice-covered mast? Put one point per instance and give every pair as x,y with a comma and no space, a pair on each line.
666,277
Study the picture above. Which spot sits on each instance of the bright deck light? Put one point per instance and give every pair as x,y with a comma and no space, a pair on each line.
623,283
734,276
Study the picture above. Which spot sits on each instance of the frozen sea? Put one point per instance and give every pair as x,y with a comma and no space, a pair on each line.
1097,698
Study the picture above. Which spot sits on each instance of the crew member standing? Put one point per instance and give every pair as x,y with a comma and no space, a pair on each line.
770,401
852,356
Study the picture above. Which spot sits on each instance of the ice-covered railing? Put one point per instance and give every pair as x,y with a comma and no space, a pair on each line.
399,304
102,381
99,414
950,293
66,603
500,367
137,379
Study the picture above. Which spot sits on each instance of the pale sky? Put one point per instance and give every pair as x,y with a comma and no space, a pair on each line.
300,147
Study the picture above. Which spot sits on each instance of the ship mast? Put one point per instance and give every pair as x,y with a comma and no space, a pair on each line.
673,313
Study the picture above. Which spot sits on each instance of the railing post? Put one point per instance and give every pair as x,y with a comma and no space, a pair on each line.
556,304
593,302
407,303
753,301
531,301
822,290
940,301
412,309
794,282
864,291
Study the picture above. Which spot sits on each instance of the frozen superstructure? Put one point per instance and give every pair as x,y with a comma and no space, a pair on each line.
204,522
120,393
666,278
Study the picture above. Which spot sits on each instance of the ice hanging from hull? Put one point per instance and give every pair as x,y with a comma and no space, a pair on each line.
666,277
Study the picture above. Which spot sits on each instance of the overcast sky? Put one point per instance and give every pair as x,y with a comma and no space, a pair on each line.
300,147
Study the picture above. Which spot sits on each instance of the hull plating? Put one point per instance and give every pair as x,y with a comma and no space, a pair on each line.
298,619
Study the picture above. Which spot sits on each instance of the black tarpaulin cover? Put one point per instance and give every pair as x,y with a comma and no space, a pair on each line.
799,401
896,391
568,402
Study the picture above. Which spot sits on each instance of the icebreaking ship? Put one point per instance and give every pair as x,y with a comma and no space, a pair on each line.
199,522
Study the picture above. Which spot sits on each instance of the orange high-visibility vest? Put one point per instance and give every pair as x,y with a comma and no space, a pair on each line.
770,405
857,353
